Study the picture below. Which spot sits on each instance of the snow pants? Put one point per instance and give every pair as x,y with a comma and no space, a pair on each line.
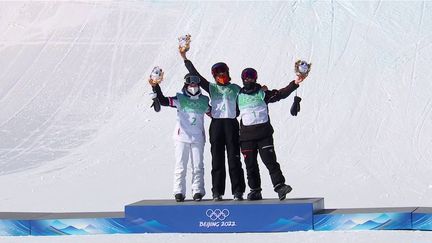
224,133
265,148
184,151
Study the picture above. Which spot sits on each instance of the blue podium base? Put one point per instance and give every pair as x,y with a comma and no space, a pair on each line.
22,224
269,215
17,224
364,219
80,224
422,219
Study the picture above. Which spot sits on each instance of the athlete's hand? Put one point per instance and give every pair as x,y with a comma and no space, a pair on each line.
152,82
182,53
299,79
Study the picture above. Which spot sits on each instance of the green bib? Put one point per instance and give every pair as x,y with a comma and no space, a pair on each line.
189,105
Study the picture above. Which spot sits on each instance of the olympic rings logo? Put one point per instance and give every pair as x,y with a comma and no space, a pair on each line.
217,214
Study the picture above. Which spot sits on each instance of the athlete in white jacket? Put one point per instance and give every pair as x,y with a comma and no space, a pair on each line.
189,135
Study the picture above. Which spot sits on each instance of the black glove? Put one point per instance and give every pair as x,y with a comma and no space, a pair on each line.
295,108
156,105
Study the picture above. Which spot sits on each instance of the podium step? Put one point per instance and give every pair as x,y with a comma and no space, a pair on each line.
23,224
268,215
17,224
422,219
80,224
364,219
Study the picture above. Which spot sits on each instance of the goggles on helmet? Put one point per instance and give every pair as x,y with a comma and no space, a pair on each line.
219,67
249,73
191,79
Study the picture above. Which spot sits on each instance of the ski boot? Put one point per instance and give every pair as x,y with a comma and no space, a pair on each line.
179,197
217,197
238,196
197,197
254,194
282,190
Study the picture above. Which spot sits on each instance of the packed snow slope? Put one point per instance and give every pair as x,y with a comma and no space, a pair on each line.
77,132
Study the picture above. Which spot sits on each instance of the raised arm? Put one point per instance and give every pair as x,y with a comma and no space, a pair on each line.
191,68
275,95
165,101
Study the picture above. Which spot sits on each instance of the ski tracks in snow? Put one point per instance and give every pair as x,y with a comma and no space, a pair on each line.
416,51
330,49
421,132
48,121
14,60
425,116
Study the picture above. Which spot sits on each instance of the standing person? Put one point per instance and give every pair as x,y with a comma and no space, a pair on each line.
224,129
189,135
256,132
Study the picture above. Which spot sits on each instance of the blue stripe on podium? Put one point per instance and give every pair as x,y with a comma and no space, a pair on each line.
364,219
80,224
422,219
16,224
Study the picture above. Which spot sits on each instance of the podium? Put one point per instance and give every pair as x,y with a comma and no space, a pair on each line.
269,215
422,219
16,223
227,216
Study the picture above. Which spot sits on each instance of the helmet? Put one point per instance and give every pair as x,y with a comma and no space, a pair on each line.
191,87
249,73
249,77
219,67
220,72
191,79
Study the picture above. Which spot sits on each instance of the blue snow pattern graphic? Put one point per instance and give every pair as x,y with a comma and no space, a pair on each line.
364,221
95,226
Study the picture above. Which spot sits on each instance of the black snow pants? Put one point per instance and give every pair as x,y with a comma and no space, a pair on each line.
265,148
224,133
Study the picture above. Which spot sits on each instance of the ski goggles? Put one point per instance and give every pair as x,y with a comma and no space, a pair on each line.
192,80
249,73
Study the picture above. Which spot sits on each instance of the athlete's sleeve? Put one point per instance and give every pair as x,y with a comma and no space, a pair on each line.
164,101
191,68
208,111
173,101
275,95
237,106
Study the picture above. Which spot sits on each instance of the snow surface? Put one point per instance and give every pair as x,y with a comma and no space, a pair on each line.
77,132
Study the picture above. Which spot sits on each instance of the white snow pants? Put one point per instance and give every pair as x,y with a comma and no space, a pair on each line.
184,151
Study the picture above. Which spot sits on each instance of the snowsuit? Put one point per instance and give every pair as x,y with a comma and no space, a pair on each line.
256,132
189,138
224,133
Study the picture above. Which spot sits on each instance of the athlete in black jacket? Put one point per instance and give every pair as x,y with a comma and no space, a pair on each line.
224,129
256,132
